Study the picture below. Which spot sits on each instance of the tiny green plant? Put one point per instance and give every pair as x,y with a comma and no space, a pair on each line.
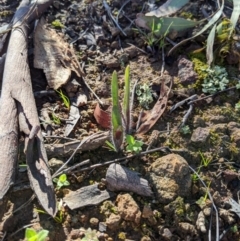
57,24
237,107
33,235
64,98
60,214
133,145
90,235
204,160
110,146
195,175
202,200
61,181
185,130
144,94
56,119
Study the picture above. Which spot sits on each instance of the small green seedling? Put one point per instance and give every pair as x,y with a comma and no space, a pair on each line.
204,160
56,119
185,130
90,235
57,24
237,107
195,175
33,235
202,200
110,146
64,98
133,145
144,94
61,181
60,214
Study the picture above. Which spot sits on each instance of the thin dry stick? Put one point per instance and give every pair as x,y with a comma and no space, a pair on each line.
163,149
20,229
108,9
57,173
100,102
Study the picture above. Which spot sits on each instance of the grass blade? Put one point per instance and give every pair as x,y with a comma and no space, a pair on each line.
126,101
210,42
235,13
117,128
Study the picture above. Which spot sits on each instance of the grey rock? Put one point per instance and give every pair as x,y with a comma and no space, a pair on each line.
200,135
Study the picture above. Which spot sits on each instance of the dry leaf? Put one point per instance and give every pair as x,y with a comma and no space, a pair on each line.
54,56
150,118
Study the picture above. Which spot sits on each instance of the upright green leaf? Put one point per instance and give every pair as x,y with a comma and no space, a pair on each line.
210,42
126,101
212,21
117,128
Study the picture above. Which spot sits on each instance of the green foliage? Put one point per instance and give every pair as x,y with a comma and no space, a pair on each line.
185,130
90,235
237,107
117,127
144,94
126,100
61,181
118,116
133,145
110,146
204,160
215,80
234,229
32,235
56,119
57,24
59,217
64,98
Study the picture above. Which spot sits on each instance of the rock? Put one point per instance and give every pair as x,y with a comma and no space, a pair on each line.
115,45
112,63
128,208
200,135
148,214
170,177
187,228
72,86
94,221
186,73
167,234
234,130
55,164
113,221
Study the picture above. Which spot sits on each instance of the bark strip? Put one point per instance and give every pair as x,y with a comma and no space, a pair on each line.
18,109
